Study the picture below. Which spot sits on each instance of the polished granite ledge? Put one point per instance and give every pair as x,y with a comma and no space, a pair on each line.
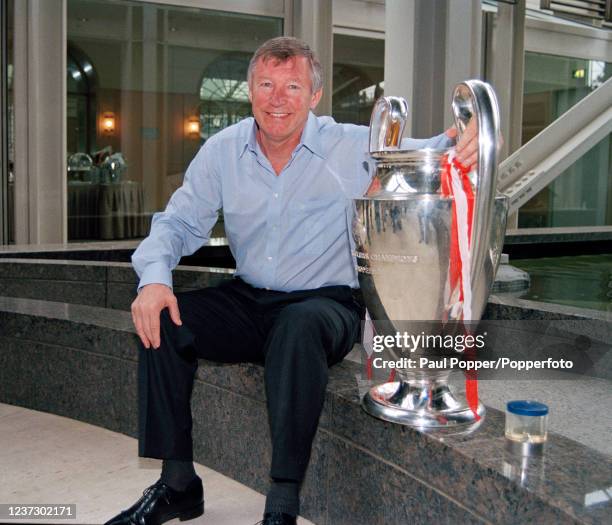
506,306
101,246
513,236
215,252
92,283
113,285
548,235
363,471
510,279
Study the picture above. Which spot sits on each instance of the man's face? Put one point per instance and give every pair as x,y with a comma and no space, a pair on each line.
281,96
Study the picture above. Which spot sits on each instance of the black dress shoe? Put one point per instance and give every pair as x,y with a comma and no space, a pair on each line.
160,503
277,518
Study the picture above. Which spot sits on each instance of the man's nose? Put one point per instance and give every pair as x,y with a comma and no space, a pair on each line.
278,96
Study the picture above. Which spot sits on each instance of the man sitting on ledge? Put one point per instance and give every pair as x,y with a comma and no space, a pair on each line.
285,180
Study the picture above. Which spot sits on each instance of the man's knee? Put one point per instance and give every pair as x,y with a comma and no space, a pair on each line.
306,317
166,324
310,312
177,337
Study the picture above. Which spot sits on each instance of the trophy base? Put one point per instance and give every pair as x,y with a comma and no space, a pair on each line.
425,404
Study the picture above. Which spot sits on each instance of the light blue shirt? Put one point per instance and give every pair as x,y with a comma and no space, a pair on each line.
287,232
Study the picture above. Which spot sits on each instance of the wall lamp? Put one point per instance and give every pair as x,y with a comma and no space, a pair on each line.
108,123
193,127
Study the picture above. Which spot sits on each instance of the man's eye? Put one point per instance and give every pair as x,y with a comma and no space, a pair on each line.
294,86
265,84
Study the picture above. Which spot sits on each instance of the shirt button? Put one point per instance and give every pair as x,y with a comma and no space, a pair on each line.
276,195
269,258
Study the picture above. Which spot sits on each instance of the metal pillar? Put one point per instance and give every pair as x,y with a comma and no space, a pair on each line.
40,121
429,47
4,218
311,21
506,67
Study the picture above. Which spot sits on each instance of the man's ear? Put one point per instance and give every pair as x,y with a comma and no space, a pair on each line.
315,98
250,95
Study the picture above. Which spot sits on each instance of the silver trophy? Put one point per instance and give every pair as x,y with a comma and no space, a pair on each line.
402,231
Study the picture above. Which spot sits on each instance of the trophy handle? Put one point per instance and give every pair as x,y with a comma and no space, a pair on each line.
387,123
476,98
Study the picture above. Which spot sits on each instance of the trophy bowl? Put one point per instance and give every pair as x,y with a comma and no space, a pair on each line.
406,230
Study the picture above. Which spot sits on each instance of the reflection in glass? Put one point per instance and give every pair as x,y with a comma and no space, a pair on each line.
81,83
224,93
358,77
582,195
159,71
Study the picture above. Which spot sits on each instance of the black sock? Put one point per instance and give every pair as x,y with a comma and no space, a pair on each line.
283,496
177,474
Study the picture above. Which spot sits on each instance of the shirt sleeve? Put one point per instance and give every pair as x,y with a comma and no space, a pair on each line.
185,224
441,141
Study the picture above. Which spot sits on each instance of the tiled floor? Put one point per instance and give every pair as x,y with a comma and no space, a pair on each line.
50,459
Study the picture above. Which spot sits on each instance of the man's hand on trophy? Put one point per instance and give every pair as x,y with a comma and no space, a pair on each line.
467,145
146,310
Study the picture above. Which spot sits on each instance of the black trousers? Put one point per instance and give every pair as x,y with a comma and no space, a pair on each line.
295,335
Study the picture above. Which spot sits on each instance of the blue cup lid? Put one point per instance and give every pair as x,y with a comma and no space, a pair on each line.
527,408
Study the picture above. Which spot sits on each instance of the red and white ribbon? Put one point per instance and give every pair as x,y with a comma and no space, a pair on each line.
456,184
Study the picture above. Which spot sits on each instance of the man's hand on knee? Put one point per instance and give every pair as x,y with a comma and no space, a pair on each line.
146,310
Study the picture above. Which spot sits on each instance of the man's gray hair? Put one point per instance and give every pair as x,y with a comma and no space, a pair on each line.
284,47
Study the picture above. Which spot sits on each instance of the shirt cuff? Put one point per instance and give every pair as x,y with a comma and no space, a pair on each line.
156,273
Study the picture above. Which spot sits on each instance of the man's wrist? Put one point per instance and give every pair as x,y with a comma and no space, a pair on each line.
140,288
156,273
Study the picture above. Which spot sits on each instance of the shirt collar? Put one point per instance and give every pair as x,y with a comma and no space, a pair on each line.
251,140
310,137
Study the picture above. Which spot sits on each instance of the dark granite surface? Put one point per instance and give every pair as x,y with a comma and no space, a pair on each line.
215,252
510,279
376,492
508,307
530,243
69,382
93,283
548,235
363,470
470,468
44,311
100,246
30,278
113,285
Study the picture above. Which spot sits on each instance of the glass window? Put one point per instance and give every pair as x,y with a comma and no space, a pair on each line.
81,84
147,85
582,195
224,93
358,77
